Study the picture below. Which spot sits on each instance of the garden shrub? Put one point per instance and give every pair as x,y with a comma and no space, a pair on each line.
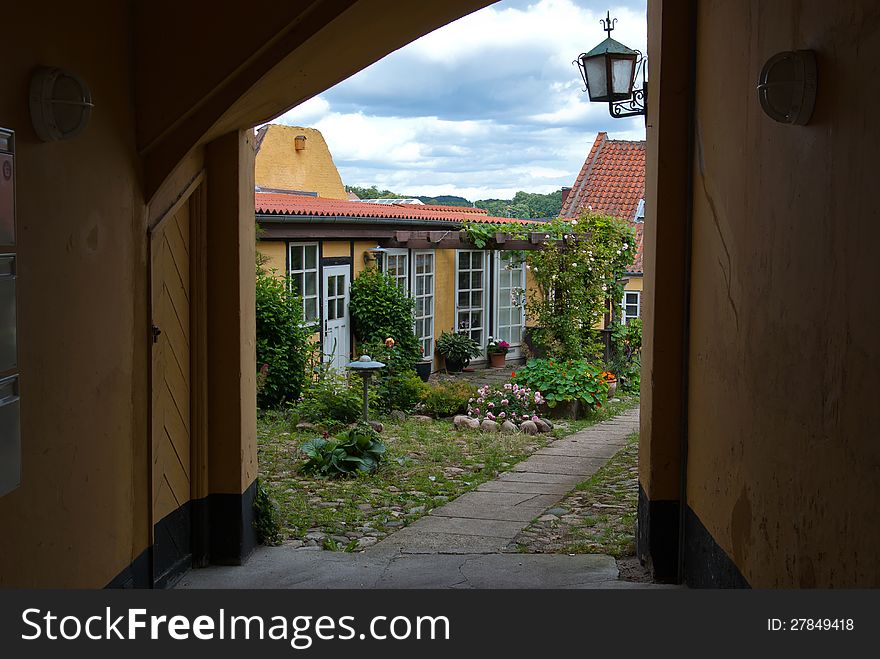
380,309
564,381
448,398
284,346
267,517
625,362
360,449
397,386
330,399
510,402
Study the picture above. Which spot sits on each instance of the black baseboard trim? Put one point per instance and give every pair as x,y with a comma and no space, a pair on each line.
218,529
137,574
232,534
706,564
657,537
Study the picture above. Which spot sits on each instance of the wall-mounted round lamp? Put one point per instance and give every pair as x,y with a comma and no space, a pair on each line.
60,102
787,87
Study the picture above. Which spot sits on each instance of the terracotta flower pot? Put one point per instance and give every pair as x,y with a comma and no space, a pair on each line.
612,388
497,359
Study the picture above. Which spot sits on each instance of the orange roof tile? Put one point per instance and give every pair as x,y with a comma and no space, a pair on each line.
271,203
611,182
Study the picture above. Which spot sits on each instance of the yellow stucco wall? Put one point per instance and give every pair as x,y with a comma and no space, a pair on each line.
280,166
336,248
782,429
275,252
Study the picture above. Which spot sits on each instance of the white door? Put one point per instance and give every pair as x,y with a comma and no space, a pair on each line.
510,317
337,347
470,298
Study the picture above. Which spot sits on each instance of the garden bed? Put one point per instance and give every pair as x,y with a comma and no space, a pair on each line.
427,464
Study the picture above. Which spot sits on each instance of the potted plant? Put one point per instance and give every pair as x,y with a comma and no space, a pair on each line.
423,367
497,351
457,350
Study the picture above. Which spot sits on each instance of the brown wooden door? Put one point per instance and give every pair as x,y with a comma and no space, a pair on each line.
171,386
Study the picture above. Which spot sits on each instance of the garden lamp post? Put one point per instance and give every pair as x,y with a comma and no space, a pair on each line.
609,71
365,367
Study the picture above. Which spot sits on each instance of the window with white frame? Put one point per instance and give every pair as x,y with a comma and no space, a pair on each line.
397,266
470,311
304,276
632,305
423,294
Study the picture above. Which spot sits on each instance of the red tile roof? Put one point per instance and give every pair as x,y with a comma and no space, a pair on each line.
611,182
269,203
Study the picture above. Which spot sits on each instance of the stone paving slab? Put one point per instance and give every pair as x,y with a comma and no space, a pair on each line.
528,477
479,505
521,487
560,464
466,526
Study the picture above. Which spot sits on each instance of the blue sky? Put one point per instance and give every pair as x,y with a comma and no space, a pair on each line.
480,108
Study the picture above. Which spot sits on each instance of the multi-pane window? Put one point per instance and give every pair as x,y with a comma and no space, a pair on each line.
631,305
397,266
423,294
511,299
470,295
304,276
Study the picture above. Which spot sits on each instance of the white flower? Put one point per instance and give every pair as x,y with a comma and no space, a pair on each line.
625,246
574,223
574,265
604,287
618,252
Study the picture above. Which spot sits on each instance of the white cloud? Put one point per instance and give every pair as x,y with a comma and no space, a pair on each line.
483,107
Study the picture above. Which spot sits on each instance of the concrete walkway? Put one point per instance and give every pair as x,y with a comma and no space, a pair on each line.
461,544
489,518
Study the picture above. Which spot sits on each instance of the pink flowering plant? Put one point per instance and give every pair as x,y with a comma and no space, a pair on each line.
511,402
497,346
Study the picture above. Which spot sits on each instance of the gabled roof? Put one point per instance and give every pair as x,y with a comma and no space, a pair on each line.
292,205
611,182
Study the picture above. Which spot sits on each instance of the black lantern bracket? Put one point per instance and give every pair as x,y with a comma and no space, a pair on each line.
629,103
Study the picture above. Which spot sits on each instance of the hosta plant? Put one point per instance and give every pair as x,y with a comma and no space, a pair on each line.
359,450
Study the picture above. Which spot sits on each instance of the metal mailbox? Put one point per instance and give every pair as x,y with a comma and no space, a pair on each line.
10,436
8,328
7,187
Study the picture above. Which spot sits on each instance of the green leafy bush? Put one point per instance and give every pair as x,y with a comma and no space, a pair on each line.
359,450
564,381
447,398
625,362
397,386
284,346
330,399
267,517
380,309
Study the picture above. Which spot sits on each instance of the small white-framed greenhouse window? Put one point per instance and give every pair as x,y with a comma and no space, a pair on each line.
303,271
396,264
632,305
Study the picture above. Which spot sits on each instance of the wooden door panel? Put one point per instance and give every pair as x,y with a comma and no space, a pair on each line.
172,368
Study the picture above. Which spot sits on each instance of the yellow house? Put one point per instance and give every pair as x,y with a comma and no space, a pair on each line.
312,232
